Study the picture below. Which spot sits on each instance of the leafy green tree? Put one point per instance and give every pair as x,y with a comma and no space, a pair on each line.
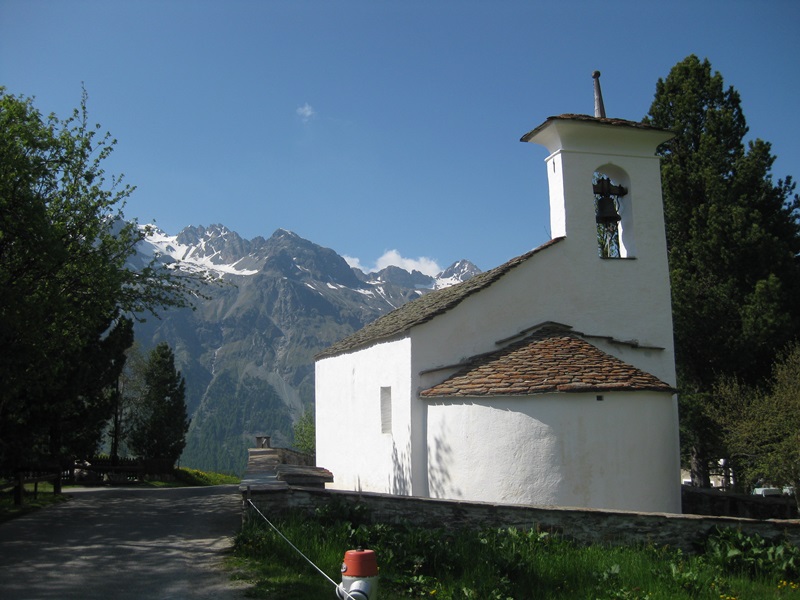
65,284
733,240
159,423
305,433
762,426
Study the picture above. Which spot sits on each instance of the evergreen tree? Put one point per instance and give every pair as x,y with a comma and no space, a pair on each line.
305,433
160,422
129,388
76,426
733,239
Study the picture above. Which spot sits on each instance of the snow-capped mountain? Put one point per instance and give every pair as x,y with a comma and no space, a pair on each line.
247,352
219,250
456,273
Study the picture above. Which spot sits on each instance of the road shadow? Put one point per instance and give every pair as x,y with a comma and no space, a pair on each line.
123,543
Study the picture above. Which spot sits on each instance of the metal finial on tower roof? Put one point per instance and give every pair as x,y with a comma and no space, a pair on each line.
599,108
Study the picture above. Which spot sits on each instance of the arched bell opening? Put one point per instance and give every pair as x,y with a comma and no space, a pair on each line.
613,212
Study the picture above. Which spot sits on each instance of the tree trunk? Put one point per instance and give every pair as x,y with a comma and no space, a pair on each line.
19,490
699,468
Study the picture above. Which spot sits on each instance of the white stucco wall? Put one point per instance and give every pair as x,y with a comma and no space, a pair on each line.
349,440
557,449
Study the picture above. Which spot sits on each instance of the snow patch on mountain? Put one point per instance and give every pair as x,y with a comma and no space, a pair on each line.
456,273
200,256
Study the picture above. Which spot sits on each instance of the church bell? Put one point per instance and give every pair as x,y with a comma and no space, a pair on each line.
607,211
605,192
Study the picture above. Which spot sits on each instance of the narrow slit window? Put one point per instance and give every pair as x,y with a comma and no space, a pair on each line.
386,410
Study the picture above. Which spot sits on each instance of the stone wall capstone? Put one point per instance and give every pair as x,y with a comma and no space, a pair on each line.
585,526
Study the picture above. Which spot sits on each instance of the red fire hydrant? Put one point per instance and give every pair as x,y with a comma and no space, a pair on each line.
359,576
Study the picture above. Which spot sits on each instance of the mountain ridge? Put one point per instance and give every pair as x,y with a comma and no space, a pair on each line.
218,248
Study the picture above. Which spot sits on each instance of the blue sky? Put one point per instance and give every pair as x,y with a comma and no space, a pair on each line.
372,127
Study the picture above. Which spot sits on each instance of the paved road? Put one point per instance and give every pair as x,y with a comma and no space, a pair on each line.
123,544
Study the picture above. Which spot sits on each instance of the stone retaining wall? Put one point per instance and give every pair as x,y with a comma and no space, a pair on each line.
581,525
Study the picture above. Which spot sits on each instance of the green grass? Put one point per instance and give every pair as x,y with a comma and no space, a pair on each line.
44,497
183,477
201,478
490,565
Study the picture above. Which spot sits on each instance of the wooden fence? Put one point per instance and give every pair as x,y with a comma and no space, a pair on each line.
98,470
21,478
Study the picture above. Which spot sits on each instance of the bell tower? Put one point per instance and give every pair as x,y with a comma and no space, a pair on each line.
605,183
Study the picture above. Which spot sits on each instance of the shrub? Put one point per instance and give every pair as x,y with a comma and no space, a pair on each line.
737,552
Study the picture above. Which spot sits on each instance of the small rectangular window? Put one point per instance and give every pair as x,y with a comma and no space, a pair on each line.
386,410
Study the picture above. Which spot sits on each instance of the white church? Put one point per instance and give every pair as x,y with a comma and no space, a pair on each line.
548,380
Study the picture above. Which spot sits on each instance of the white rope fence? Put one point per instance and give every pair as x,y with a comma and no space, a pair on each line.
339,590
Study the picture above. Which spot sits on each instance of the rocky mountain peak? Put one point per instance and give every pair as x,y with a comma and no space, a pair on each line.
216,244
290,255
398,276
459,271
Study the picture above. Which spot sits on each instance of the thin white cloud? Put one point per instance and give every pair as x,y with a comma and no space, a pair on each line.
353,262
423,264
306,112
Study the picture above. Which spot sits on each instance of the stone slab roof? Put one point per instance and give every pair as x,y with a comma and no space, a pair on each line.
425,307
590,119
268,468
553,359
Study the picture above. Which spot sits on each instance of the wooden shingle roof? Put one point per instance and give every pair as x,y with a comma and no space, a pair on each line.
553,359
425,307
